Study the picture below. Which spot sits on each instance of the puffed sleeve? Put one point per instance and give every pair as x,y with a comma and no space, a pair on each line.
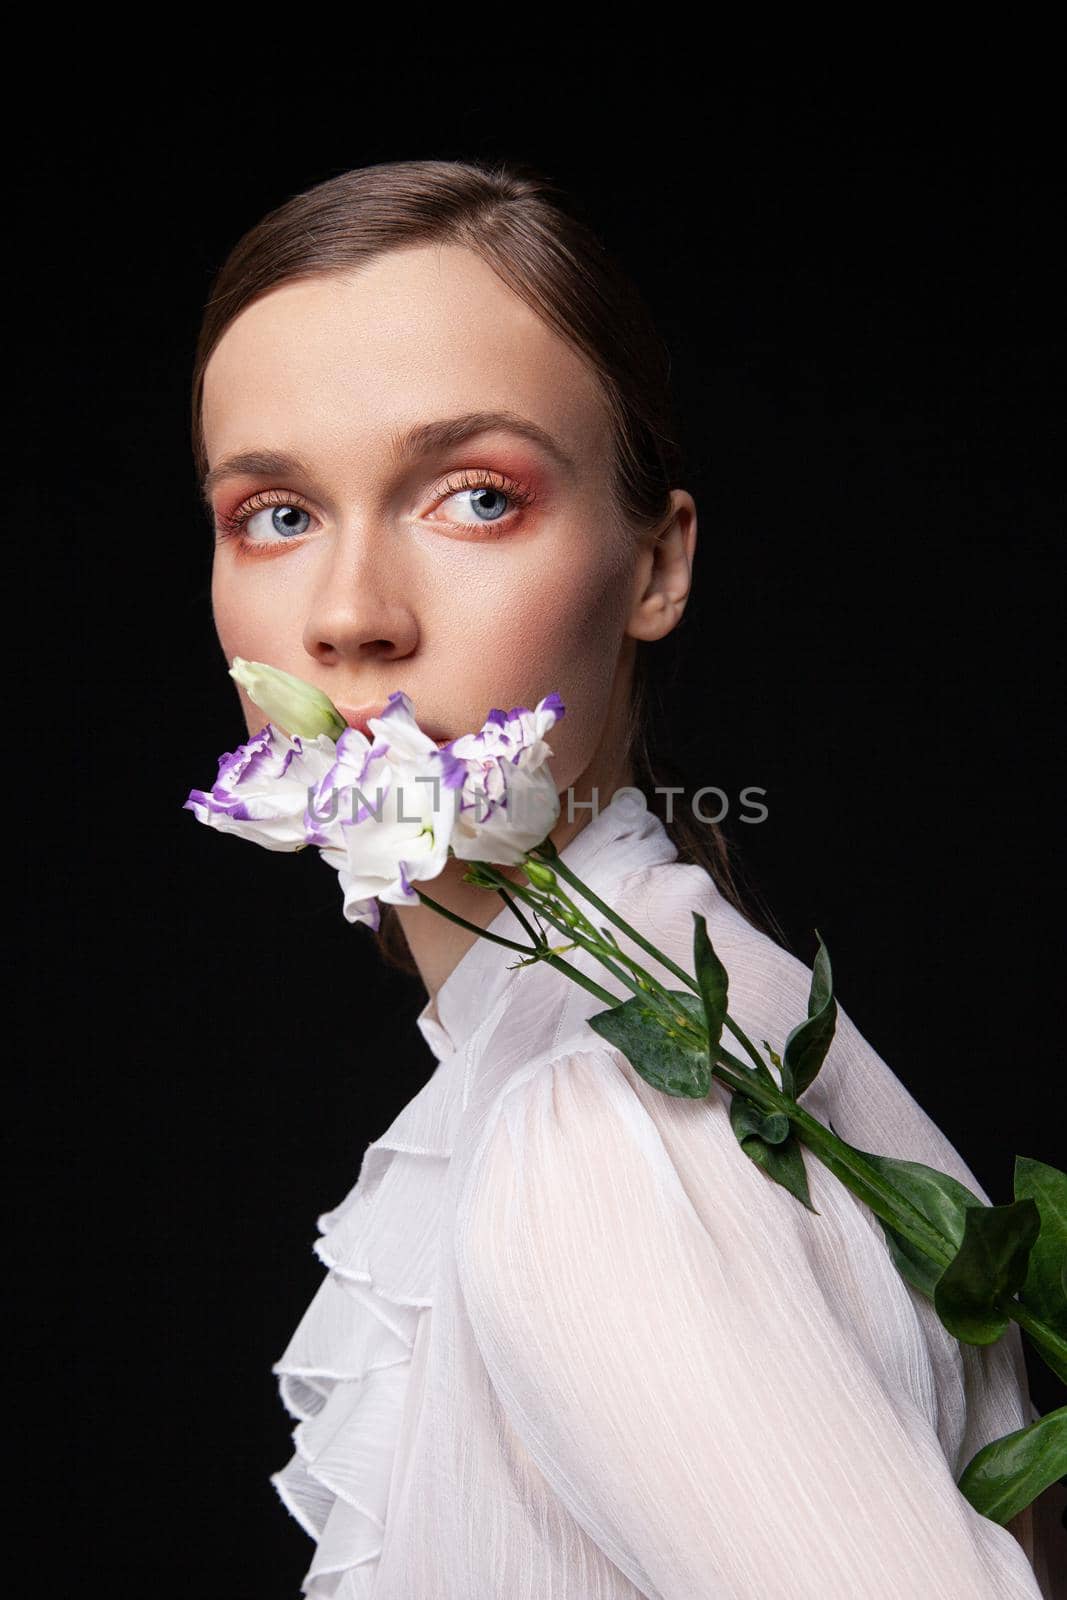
681,1374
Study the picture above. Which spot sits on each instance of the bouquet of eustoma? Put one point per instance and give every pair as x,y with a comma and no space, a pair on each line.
489,799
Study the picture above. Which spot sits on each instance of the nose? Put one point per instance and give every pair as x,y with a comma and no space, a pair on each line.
359,607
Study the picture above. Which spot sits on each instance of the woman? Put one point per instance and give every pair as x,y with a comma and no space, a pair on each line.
571,1341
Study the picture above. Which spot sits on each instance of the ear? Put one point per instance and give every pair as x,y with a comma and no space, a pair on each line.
664,571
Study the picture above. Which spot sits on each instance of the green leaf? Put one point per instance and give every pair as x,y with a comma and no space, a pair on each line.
711,979
1049,1346
1044,1293
945,1203
760,1137
808,1042
989,1266
746,1117
775,1127
1009,1473
941,1199
667,1060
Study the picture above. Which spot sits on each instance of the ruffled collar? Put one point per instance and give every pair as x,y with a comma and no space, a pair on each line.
622,838
344,1377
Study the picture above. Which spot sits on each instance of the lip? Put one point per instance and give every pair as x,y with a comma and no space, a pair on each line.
358,717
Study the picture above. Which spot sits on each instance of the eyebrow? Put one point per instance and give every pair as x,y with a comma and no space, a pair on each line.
425,438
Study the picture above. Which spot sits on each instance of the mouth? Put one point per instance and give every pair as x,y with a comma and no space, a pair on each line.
359,718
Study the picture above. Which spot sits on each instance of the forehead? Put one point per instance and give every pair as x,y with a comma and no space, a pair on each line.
412,335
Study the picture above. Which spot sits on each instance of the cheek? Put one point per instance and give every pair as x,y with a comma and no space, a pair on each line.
229,610
574,619
251,618
576,647
565,636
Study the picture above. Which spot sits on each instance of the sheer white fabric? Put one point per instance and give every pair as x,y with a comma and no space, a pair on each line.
572,1344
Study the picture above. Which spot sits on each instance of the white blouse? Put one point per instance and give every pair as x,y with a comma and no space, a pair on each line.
573,1344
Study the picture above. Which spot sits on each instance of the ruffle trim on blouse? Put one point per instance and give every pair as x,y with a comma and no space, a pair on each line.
344,1376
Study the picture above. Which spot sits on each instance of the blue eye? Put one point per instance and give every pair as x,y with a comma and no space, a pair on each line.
275,517
288,522
488,502
478,499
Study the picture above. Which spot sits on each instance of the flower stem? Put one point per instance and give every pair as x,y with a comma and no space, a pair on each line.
453,916
580,978
515,911
558,866
850,1167
652,992
552,960
859,1175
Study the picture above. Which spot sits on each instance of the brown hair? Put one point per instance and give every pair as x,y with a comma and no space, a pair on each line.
539,243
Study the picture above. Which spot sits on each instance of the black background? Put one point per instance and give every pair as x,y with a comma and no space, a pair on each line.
859,284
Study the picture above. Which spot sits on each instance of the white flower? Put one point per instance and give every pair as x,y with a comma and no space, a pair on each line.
385,812
262,788
383,815
509,801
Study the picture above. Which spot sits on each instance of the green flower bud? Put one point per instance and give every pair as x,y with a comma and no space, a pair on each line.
289,702
483,877
541,876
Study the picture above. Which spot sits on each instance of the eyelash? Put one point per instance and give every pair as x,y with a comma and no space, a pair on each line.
232,525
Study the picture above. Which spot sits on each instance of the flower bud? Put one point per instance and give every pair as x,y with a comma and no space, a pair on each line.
541,876
290,703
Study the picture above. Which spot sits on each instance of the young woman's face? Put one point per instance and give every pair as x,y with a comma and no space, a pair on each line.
382,524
